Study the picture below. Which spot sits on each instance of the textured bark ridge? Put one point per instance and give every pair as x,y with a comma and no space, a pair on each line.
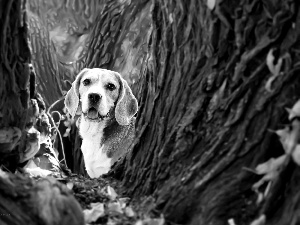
207,105
59,32
119,38
43,202
15,79
14,87
22,200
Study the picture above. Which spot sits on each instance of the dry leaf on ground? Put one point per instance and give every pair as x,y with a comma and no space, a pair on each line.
129,212
97,211
295,111
271,165
151,221
111,193
114,207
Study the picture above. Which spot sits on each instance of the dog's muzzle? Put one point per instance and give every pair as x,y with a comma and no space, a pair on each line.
93,115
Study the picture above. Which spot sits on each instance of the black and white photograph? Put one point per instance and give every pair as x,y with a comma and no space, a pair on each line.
149,112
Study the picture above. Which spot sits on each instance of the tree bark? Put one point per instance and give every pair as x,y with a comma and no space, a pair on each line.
46,201
22,200
206,102
206,106
15,79
58,42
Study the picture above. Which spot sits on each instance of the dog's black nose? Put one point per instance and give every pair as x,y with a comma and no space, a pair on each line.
94,98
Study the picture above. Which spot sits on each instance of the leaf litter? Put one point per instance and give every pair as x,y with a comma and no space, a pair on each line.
289,137
102,202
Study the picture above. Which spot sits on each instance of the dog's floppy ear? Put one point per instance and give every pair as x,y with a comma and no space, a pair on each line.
127,105
72,97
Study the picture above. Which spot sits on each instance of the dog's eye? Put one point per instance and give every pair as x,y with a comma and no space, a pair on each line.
86,82
110,86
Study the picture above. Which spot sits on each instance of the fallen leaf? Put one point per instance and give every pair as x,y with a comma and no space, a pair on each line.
266,178
274,68
283,134
153,221
295,111
32,144
30,164
270,165
123,202
111,222
111,193
269,83
231,222
3,175
288,138
139,222
37,172
129,212
270,169
97,211
260,197
114,207
66,134
70,185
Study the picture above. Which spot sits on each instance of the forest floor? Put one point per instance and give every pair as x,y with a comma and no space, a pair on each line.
104,201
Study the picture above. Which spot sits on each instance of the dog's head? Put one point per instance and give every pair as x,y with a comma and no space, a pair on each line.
96,92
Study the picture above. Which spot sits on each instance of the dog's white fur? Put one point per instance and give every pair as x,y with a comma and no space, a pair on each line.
96,160
106,137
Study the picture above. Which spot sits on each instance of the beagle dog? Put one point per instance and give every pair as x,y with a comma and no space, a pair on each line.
106,107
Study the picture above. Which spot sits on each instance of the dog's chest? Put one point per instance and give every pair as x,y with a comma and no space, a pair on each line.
94,152
95,158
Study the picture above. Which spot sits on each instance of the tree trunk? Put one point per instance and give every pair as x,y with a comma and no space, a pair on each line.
22,200
206,104
58,42
201,72
15,79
